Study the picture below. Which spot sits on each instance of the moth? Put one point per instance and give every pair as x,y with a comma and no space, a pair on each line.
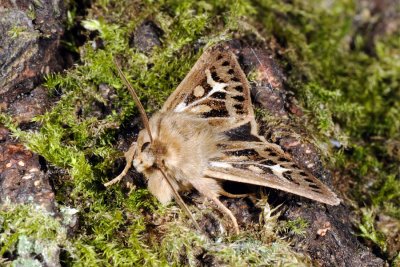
206,133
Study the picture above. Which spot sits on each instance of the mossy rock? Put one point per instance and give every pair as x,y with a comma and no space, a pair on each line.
346,86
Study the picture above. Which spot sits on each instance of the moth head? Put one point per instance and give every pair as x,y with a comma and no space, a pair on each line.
144,158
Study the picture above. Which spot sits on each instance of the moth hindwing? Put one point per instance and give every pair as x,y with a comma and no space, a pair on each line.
206,133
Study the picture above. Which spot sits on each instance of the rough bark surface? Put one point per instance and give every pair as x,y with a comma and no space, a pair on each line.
31,33
29,48
22,179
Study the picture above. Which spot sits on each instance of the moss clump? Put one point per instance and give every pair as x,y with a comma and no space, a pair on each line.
296,227
29,231
259,246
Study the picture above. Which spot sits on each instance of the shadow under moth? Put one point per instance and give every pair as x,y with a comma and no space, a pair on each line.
206,133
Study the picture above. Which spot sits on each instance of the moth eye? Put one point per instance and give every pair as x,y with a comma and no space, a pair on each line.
144,146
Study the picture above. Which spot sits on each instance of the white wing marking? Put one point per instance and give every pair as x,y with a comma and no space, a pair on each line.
278,170
216,87
220,164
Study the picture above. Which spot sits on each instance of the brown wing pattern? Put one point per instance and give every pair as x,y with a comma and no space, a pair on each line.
266,164
216,89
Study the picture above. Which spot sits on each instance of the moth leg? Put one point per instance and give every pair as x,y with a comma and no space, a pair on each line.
129,158
225,210
211,189
226,194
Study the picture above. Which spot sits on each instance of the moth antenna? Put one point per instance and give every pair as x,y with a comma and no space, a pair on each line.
143,114
179,200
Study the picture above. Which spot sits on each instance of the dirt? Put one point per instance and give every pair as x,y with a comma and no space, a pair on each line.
22,178
147,36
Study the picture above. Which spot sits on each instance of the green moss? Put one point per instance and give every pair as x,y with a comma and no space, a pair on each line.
296,227
16,31
9,123
388,191
29,230
369,231
31,13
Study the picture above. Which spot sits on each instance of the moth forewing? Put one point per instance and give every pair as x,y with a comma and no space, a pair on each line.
217,82
266,164
326,196
215,89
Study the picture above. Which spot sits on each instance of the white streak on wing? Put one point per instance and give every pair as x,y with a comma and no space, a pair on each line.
216,87
220,164
181,107
277,169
